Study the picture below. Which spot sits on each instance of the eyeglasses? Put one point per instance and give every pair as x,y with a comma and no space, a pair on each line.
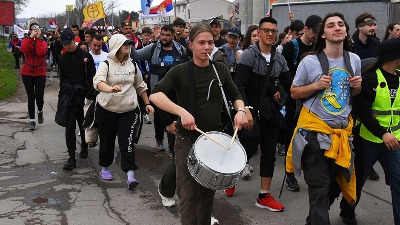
267,30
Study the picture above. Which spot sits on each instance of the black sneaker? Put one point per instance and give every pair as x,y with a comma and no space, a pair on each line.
71,164
40,117
373,175
349,221
32,125
84,151
291,183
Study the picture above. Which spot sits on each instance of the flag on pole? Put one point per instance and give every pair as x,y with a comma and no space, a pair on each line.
89,24
146,4
128,18
163,8
94,11
52,23
19,31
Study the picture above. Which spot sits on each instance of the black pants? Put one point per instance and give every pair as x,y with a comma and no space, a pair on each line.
158,127
348,211
195,200
74,116
320,175
250,139
123,125
55,58
16,57
34,86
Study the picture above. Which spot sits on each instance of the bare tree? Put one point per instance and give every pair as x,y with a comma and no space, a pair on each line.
19,4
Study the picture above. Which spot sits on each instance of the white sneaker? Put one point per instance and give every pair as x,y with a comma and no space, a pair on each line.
214,221
167,202
246,172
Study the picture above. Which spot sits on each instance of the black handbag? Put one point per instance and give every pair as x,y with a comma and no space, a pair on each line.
268,108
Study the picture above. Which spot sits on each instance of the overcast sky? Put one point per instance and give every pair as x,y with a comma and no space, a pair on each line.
37,8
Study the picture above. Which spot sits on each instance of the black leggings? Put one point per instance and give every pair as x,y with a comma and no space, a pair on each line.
34,86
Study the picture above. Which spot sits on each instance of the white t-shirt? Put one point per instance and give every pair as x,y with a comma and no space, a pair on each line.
99,58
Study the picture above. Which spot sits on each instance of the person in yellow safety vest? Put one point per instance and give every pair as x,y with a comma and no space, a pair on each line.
379,107
321,142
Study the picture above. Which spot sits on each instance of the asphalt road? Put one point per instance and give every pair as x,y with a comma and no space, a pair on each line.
35,190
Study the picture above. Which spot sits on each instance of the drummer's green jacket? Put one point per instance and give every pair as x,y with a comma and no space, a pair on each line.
208,100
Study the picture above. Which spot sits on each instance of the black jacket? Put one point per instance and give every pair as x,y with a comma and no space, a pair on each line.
77,68
366,50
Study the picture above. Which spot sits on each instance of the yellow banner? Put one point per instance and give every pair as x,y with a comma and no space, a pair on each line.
94,11
69,8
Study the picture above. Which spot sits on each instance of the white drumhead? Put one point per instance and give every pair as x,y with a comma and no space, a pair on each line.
218,158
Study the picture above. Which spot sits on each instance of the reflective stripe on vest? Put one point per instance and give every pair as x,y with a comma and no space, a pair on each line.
386,113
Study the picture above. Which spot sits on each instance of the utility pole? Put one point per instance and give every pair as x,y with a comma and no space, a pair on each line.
174,8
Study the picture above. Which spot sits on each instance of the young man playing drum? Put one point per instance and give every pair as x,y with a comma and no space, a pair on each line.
199,108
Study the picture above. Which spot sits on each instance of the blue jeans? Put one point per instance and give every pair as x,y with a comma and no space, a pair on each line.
390,161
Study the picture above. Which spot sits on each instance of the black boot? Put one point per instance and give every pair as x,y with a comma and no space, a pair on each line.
71,163
84,151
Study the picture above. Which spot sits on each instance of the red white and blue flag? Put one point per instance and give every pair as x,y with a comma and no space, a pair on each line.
52,23
163,8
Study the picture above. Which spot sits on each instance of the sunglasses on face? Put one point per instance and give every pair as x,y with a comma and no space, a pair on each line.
128,42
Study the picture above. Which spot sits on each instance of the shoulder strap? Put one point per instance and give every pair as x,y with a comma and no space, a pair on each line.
269,70
323,61
296,50
190,77
347,62
153,48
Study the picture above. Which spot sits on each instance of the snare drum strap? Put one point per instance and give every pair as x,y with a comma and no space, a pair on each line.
190,78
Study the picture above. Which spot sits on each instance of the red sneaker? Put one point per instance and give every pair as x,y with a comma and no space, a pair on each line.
269,203
230,191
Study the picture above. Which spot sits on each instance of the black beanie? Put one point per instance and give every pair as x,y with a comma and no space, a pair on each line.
389,50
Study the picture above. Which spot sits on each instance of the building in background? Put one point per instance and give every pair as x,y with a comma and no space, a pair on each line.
195,11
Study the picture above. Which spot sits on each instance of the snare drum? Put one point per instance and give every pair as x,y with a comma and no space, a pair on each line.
214,166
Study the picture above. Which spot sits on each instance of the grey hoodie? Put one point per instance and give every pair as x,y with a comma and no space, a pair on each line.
119,73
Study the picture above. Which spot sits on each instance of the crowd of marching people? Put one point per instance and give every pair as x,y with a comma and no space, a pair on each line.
321,97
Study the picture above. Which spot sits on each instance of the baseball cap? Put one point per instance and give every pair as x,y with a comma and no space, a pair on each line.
313,22
67,36
389,50
234,31
215,21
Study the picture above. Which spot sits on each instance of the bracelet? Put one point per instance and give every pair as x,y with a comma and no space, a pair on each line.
241,110
147,104
248,107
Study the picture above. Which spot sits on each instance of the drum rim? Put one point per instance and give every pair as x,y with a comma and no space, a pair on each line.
218,132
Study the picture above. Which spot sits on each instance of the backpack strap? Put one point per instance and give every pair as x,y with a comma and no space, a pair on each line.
296,51
108,66
347,62
323,61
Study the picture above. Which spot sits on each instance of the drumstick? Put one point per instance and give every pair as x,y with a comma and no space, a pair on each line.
233,138
213,139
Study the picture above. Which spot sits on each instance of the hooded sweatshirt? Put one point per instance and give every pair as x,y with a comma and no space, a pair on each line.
119,73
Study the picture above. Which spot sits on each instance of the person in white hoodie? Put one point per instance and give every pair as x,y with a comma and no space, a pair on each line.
117,112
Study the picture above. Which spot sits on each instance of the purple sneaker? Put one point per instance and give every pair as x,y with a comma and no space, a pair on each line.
132,184
106,175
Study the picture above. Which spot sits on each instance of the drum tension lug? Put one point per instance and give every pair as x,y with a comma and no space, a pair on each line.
192,160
